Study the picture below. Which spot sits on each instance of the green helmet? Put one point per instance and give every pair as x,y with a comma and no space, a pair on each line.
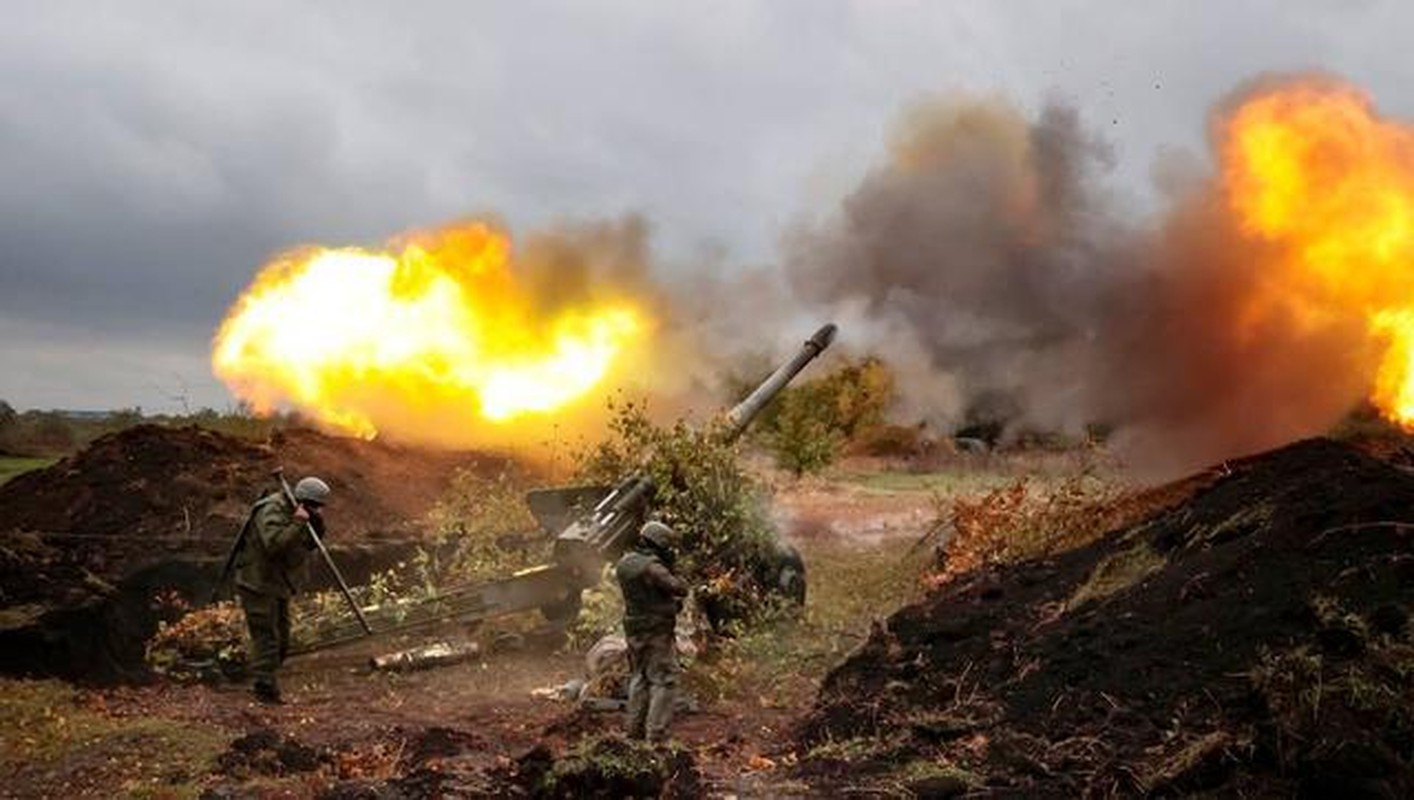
658,535
312,490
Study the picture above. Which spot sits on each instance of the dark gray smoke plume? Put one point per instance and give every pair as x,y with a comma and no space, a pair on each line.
985,261
976,259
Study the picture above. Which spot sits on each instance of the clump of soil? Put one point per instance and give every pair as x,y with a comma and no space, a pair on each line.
266,752
608,767
1180,654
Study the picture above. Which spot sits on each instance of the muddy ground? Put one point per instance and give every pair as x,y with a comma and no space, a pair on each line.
351,732
1248,636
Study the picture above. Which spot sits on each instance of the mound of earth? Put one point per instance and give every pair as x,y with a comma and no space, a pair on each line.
266,752
94,547
433,762
1251,640
158,484
607,767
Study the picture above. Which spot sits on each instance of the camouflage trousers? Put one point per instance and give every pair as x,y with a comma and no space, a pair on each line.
268,619
652,685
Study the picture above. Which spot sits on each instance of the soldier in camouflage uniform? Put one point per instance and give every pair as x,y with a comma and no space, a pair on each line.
652,599
269,567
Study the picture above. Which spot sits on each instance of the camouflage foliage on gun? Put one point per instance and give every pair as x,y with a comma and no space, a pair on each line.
591,526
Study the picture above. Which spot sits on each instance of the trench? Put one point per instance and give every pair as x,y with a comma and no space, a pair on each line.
102,641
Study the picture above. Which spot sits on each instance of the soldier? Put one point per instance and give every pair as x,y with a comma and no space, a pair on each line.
652,598
273,546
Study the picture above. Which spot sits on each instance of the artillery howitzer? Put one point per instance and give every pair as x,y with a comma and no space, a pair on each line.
592,526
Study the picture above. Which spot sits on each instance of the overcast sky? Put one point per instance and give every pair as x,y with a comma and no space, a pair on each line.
153,155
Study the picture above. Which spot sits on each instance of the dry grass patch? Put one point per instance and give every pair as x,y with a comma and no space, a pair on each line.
1117,572
1023,520
782,660
63,743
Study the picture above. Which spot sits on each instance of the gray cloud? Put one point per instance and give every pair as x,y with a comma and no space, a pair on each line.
153,154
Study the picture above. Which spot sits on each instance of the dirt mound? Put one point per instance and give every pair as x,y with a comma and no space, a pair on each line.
608,767
88,544
1253,637
159,483
431,762
266,752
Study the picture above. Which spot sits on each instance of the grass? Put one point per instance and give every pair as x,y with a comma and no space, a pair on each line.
1118,572
11,466
65,741
958,481
780,663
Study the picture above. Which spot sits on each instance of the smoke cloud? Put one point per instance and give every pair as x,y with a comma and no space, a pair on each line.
985,260
979,259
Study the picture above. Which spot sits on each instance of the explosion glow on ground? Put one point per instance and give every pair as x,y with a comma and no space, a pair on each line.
433,332
1309,168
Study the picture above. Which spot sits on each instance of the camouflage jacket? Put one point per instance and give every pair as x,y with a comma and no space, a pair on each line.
274,544
652,594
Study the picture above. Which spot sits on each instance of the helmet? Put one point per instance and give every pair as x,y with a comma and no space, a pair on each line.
312,490
658,535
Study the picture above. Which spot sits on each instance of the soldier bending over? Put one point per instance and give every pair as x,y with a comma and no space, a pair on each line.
269,564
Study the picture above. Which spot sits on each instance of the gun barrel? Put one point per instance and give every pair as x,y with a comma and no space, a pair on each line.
742,413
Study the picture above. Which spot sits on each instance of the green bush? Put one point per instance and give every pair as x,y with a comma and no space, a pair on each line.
8,419
52,433
891,441
703,492
55,434
601,613
479,525
806,427
803,442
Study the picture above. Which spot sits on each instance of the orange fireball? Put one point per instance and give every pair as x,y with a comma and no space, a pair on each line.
437,328
1315,174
